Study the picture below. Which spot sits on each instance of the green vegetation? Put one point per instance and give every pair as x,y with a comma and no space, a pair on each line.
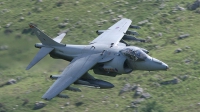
83,18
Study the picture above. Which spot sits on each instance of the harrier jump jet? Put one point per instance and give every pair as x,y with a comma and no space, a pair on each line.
106,55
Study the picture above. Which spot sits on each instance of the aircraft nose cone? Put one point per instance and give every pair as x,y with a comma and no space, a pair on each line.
161,65
165,65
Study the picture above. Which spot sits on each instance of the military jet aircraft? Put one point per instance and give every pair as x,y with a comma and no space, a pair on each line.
106,55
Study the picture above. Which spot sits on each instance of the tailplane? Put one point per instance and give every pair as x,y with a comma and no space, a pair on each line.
41,54
48,45
59,38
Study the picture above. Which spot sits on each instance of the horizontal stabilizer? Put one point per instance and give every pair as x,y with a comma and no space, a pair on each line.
41,54
59,38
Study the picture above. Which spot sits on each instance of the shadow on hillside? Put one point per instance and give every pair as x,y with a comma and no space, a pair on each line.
79,104
1,85
27,30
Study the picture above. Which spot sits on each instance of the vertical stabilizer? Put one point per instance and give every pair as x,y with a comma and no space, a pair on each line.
45,39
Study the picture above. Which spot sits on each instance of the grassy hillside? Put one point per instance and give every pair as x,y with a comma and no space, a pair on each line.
83,17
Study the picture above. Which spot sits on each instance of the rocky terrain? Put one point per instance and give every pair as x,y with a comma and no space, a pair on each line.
170,28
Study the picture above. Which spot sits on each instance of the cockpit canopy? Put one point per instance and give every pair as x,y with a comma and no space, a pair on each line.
134,54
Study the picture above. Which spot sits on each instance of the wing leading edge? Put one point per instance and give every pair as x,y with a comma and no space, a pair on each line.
78,67
114,34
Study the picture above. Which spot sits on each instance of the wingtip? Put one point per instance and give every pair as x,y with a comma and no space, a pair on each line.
28,67
46,97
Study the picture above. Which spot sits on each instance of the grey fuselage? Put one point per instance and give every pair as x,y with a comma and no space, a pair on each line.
70,52
115,61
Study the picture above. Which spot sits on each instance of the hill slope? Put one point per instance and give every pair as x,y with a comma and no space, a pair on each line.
165,24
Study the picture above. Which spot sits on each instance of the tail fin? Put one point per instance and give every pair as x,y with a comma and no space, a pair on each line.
45,39
48,45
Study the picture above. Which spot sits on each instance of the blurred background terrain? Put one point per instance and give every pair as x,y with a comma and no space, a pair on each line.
171,28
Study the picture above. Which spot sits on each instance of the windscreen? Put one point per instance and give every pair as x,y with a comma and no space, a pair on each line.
136,55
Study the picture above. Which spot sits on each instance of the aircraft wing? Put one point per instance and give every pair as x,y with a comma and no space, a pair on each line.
78,67
114,34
